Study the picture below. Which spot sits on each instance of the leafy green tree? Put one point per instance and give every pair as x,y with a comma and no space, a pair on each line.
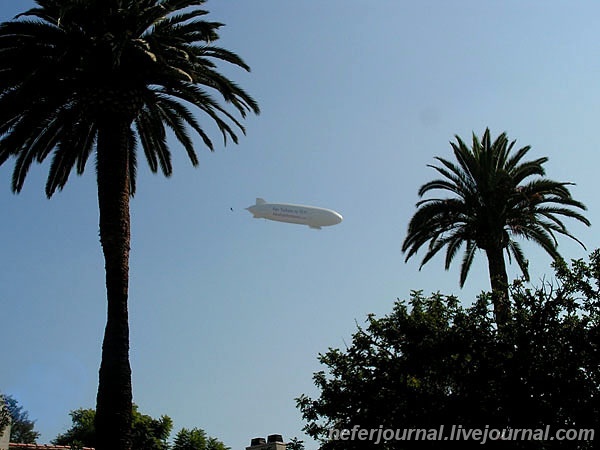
147,433
22,428
100,76
196,439
295,444
82,432
493,202
432,362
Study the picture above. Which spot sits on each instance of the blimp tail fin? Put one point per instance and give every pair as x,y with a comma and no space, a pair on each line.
260,201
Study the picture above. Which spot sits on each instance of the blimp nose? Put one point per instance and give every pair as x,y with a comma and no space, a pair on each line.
336,218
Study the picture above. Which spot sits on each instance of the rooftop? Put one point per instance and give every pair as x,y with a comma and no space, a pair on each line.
16,446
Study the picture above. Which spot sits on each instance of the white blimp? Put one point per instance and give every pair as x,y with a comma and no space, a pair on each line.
304,215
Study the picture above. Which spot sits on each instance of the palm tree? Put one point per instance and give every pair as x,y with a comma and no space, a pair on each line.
83,77
493,201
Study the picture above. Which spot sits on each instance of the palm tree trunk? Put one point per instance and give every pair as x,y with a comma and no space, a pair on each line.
114,400
499,284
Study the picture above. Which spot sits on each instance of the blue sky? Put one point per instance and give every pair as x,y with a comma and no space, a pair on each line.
228,313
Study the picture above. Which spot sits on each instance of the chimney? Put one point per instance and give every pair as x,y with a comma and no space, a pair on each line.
273,442
5,437
4,419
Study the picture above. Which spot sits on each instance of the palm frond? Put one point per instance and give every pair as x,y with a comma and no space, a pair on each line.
467,261
177,124
515,249
152,135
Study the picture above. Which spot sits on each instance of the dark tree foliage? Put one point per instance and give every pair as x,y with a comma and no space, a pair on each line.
432,362
147,433
196,439
21,427
295,444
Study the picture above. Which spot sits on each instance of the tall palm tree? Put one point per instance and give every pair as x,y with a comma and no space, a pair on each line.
83,77
493,200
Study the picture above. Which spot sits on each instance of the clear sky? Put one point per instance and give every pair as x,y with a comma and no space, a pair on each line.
229,313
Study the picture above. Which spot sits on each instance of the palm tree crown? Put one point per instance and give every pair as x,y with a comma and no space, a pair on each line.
73,64
493,201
